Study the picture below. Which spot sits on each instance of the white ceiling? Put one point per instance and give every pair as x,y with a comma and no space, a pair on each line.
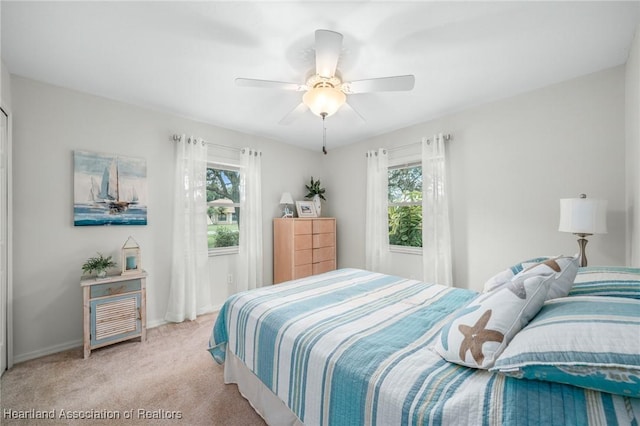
182,57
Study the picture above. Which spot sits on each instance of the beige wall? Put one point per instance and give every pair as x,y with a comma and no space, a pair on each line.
632,127
49,124
5,86
511,161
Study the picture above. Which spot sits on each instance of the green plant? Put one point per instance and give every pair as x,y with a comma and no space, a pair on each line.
226,237
98,263
314,189
405,226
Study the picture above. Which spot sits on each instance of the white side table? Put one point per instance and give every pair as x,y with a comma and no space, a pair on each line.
114,310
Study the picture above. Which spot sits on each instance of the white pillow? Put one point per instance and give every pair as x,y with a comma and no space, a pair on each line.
540,266
584,341
505,276
563,281
481,330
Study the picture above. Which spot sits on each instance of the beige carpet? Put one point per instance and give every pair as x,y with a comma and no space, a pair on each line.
170,375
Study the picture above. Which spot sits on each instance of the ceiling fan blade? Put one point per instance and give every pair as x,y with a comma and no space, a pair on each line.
383,84
294,114
328,48
268,84
349,108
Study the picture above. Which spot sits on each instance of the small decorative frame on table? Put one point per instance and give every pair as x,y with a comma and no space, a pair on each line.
131,259
306,209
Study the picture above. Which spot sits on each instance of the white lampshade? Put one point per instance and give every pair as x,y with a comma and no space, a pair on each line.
583,216
324,100
286,198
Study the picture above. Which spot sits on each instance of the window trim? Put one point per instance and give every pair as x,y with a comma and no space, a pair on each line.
223,251
417,251
230,250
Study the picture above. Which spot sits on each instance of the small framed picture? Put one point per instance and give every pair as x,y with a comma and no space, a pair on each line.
306,209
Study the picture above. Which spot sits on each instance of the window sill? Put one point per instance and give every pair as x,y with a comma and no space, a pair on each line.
406,250
223,251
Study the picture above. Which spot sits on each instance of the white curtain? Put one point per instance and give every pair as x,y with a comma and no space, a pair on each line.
376,215
250,259
189,294
436,233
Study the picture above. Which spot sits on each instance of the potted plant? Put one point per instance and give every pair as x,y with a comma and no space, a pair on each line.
316,193
100,264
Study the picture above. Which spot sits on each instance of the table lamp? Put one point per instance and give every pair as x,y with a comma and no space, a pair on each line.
286,200
583,217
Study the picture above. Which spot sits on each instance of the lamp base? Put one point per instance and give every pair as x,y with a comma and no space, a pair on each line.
286,212
582,244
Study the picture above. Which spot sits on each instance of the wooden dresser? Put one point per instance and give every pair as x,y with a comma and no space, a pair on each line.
303,247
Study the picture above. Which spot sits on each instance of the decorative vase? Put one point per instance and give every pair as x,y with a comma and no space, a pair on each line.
317,204
101,273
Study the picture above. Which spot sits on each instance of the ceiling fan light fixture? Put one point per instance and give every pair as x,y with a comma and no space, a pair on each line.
324,100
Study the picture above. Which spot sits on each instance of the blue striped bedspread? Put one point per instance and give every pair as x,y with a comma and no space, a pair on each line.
352,347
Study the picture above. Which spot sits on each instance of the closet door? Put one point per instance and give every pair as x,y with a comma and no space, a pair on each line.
4,217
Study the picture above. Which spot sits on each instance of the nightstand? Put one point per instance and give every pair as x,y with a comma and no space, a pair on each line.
114,310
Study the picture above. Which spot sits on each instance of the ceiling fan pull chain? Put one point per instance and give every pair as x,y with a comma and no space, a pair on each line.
324,134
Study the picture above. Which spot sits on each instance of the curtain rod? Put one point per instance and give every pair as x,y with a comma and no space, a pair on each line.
176,138
446,138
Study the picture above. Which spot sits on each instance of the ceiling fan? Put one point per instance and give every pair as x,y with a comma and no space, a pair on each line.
324,91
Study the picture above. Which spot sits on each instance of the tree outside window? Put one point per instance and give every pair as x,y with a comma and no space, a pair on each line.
405,205
223,199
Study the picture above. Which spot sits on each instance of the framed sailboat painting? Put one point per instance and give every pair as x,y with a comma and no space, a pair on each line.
109,189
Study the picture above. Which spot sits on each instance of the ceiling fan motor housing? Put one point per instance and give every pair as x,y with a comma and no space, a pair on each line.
324,96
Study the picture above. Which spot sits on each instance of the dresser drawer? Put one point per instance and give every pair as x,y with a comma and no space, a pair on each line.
302,227
302,242
319,268
302,257
302,271
324,240
323,254
323,226
110,289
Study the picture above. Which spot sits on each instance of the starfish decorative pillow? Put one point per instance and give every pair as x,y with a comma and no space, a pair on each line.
503,277
541,265
479,332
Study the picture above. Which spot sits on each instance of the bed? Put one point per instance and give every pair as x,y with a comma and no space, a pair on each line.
354,347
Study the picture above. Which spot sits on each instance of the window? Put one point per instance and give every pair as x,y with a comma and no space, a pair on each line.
223,214
405,205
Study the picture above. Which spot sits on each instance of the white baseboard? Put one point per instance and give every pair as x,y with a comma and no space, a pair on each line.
47,351
78,343
159,322
156,323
